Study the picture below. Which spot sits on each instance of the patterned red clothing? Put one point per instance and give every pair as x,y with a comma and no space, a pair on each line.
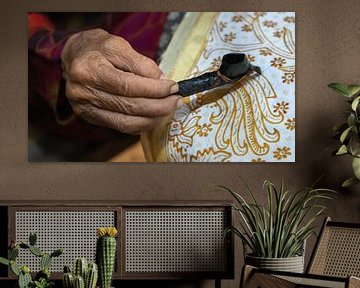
48,32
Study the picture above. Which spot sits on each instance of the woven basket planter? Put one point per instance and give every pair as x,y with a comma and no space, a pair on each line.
291,264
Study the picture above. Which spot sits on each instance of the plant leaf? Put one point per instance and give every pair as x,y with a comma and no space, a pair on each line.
340,88
353,145
345,134
351,120
355,103
353,89
349,182
279,228
4,261
356,167
14,268
342,150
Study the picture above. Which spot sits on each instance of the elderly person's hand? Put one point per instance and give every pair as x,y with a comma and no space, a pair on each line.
109,84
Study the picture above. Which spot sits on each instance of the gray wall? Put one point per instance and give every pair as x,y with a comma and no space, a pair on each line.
328,42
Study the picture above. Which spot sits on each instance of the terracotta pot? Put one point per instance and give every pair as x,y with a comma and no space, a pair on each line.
291,264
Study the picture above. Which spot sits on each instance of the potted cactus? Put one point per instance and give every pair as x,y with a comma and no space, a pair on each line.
42,278
106,254
274,234
84,275
349,132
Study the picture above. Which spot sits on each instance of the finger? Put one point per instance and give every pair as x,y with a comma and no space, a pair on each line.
131,85
126,105
123,56
98,72
121,122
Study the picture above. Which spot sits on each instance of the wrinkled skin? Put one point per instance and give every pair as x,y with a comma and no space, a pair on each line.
109,84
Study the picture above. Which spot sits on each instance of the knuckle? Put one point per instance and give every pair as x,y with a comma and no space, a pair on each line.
108,44
159,110
166,106
124,85
87,68
95,68
143,65
76,93
127,105
96,98
123,105
71,90
112,43
101,63
77,69
99,31
86,112
92,34
77,108
148,64
119,123
132,65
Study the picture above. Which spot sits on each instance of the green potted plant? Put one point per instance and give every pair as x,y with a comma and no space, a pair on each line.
87,274
349,132
274,235
84,274
106,254
42,278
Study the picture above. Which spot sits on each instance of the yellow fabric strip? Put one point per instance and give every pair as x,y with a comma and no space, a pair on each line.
178,61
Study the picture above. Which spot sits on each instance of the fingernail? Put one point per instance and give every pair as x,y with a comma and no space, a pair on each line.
174,88
179,103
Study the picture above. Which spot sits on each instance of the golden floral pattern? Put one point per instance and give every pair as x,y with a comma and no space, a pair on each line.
289,19
247,124
216,63
278,34
230,37
222,25
246,28
281,107
237,18
204,130
278,62
282,153
258,160
269,24
288,77
265,52
290,124
210,155
251,58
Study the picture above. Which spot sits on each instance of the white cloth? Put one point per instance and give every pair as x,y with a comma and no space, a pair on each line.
256,121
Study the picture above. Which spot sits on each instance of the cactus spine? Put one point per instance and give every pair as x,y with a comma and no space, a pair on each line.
68,280
81,267
13,253
24,278
14,268
79,282
45,261
91,276
106,254
84,275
